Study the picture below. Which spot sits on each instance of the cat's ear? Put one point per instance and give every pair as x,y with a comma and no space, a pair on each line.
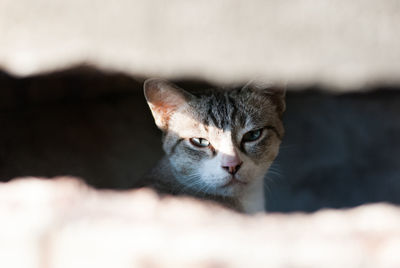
276,92
164,98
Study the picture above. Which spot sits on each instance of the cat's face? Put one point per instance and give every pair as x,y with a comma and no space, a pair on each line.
218,142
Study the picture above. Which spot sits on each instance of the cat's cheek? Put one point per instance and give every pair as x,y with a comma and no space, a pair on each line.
184,166
260,155
251,171
272,153
212,173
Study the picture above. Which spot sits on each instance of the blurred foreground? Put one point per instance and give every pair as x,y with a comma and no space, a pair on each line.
64,223
345,44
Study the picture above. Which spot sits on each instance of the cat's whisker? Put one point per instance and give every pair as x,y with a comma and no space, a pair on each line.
188,185
275,173
267,187
205,121
275,170
275,165
203,190
192,182
288,146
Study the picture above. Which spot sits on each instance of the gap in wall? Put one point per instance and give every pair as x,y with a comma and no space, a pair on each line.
340,150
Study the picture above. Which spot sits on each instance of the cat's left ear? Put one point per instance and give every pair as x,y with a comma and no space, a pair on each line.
164,98
276,92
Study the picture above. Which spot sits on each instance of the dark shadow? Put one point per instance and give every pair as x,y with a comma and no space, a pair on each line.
338,151
80,122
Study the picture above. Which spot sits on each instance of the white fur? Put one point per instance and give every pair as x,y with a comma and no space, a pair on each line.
170,108
213,175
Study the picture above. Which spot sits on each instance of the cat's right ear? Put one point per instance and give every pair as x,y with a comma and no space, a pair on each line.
164,98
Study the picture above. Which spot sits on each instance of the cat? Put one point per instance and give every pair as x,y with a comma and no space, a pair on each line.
218,143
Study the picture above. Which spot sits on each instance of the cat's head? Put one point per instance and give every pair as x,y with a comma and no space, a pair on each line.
221,141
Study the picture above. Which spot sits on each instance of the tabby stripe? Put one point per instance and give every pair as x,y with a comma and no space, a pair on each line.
234,109
225,115
175,145
274,130
211,115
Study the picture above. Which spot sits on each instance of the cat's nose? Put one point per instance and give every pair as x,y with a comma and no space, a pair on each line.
231,163
232,169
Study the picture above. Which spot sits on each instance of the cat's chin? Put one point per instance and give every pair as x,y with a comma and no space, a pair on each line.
230,190
233,187
234,181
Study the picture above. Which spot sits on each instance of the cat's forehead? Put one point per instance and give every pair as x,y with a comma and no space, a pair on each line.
232,109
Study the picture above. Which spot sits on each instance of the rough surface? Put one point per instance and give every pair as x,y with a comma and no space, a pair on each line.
63,223
346,44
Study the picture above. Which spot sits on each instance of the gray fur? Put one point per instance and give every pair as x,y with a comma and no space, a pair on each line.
222,117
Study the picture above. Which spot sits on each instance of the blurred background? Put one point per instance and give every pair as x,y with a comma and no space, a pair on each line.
71,100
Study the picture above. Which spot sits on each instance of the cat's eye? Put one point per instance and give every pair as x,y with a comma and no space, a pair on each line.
252,135
199,142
